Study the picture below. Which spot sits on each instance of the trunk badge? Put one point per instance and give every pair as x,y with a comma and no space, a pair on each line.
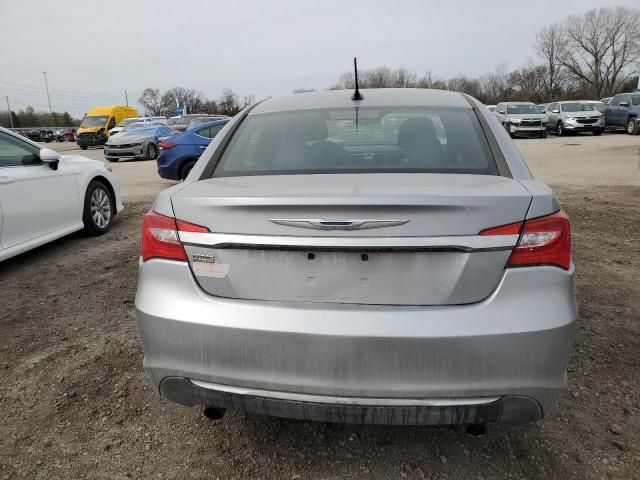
321,224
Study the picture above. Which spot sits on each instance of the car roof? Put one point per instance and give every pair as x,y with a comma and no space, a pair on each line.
209,124
378,97
519,103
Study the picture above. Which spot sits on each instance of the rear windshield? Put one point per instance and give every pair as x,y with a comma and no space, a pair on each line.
359,140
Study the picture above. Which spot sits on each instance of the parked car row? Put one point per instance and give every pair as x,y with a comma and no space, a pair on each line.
47,135
620,112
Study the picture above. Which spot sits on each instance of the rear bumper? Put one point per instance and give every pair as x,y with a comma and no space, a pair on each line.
369,364
506,410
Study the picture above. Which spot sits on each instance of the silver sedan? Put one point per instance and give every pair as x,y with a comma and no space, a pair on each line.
386,260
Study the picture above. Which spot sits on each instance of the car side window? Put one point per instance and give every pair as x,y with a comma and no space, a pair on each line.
626,98
213,131
616,100
209,132
203,132
14,152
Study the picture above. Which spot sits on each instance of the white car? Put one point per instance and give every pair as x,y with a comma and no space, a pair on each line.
44,196
137,120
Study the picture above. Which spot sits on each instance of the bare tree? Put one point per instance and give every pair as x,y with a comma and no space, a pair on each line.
602,46
151,100
529,83
189,98
551,42
228,102
403,78
248,100
429,80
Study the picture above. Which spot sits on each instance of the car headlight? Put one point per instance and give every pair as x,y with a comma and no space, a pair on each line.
570,119
515,121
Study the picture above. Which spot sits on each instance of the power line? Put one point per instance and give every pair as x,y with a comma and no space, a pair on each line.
60,91
54,93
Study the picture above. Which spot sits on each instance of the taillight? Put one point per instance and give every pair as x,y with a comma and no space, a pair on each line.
543,241
166,145
160,237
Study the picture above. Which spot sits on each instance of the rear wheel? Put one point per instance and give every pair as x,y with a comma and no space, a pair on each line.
83,147
98,208
186,168
560,129
632,126
152,152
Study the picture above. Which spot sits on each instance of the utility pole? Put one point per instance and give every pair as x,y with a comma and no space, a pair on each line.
47,87
9,107
126,98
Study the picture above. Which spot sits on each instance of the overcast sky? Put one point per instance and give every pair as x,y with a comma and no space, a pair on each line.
93,50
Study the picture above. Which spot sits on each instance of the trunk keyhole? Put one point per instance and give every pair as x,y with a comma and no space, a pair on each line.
365,257
311,255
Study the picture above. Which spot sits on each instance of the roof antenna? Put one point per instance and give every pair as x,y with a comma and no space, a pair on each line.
356,95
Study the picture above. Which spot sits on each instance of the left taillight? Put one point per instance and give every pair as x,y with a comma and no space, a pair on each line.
543,241
160,237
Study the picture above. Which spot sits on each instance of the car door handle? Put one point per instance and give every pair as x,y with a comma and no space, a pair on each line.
6,180
203,147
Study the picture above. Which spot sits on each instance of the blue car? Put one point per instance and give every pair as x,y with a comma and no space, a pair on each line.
179,153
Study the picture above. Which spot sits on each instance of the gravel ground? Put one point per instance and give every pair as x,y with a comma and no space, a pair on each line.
75,403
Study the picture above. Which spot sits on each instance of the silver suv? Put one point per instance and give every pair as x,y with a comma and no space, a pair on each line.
574,116
521,118
388,259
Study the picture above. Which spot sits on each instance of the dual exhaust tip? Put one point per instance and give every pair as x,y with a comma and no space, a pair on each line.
215,414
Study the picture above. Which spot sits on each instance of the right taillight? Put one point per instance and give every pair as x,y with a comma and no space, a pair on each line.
166,145
160,237
542,241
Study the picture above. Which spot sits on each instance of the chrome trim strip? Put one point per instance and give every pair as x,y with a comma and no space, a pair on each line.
459,242
327,399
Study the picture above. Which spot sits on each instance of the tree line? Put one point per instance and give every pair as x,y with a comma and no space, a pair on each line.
157,103
30,118
588,56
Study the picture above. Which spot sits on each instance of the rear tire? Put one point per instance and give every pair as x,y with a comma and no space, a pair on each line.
152,152
560,129
83,147
186,168
99,208
632,126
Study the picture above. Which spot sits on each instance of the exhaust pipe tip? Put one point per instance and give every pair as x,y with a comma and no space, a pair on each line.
476,430
214,413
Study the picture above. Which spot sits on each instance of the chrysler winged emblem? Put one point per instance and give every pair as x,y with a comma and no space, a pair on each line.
322,224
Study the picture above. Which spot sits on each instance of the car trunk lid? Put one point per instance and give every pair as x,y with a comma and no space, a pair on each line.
389,239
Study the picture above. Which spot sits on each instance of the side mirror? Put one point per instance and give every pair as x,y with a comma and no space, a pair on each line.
50,157
555,111
624,104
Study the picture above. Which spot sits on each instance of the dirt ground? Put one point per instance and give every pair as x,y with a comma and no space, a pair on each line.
75,403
